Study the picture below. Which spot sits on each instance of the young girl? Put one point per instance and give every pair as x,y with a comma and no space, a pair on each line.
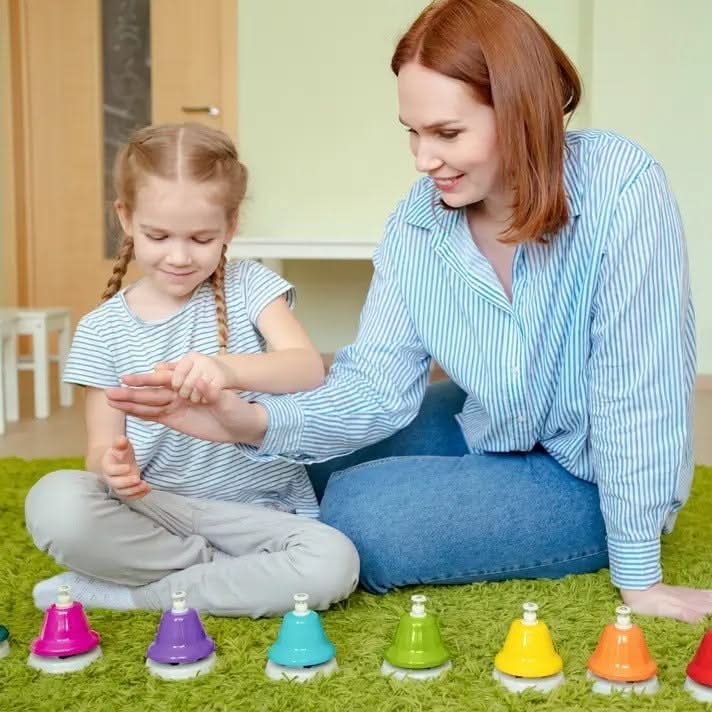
157,511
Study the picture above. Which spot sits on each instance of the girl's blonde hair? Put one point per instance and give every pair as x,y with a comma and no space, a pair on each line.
173,151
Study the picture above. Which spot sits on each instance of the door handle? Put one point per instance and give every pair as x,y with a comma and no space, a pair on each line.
210,110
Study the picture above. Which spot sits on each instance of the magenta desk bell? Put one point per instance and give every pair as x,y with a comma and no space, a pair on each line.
66,643
182,648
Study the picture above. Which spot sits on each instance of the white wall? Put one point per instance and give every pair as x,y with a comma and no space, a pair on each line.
318,126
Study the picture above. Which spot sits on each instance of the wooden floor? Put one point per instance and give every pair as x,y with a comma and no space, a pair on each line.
62,434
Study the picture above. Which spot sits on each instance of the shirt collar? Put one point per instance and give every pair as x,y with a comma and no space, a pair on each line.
425,210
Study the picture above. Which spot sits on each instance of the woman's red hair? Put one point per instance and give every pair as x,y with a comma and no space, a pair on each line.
513,65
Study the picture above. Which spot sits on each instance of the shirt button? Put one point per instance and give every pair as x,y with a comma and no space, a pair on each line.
521,419
515,371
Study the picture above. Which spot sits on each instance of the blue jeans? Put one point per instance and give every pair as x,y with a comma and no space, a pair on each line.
422,510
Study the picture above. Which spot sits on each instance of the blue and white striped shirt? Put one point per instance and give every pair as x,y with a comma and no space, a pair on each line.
111,341
594,358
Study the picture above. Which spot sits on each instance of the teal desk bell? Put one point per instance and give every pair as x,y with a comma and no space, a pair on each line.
302,649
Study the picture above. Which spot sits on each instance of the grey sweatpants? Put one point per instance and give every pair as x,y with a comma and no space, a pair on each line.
231,559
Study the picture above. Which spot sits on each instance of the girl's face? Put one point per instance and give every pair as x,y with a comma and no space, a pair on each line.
178,229
452,135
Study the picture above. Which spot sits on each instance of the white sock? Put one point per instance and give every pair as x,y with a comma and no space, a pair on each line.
90,592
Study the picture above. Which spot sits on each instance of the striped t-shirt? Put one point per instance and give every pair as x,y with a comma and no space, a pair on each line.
111,342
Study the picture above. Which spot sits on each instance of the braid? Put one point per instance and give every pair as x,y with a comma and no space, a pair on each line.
217,279
119,270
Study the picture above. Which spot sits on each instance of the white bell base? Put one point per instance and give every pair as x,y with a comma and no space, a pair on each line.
398,673
520,684
605,687
300,674
4,648
703,693
58,666
181,671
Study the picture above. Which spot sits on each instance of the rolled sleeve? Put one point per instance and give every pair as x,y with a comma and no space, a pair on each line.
285,424
635,564
261,287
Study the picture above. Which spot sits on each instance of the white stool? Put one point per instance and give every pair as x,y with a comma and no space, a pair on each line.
9,397
38,323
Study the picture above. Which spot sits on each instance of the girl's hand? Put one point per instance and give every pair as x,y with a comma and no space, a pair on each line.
194,367
679,602
121,472
224,417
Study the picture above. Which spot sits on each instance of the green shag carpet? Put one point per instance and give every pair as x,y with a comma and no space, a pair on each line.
474,620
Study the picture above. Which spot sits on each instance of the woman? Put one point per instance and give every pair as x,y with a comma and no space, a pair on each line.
546,273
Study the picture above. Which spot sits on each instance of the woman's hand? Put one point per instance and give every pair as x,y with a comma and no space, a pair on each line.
221,416
121,471
685,604
194,367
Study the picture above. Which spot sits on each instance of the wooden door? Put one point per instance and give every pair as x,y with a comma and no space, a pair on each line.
56,254
195,56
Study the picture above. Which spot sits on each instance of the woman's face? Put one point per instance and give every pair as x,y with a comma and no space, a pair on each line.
452,135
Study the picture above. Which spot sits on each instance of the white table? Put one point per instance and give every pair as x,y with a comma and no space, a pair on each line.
273,251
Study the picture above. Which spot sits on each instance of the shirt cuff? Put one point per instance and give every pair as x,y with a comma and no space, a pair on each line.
285,422
635,564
